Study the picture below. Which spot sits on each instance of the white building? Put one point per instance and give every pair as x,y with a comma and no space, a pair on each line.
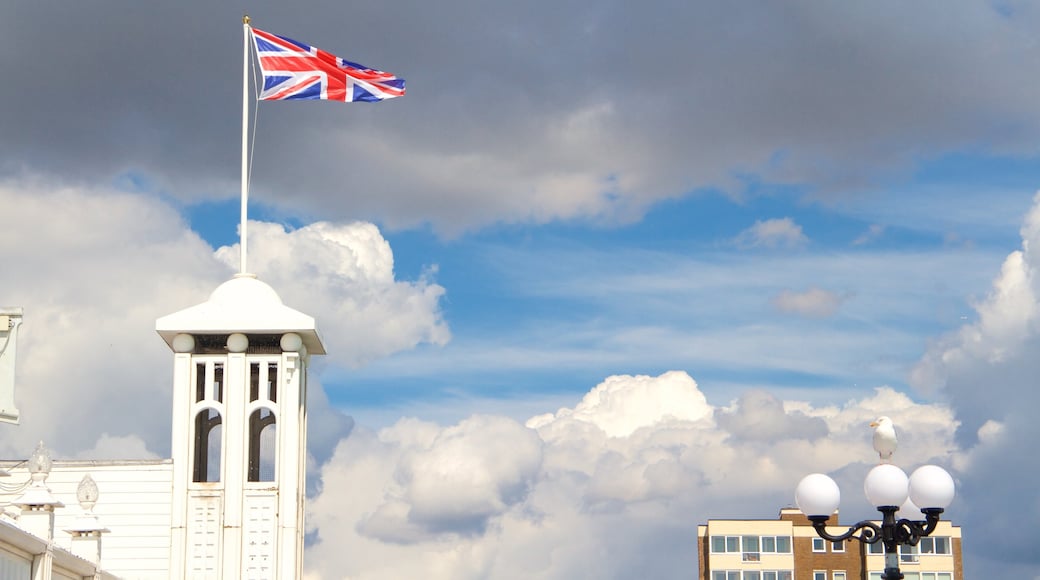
230,502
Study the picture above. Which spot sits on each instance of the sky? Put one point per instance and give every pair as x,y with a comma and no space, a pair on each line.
606,271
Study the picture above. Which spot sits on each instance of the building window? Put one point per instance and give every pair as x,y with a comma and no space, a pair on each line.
776,544
750,552
208,439
908,554
209,381
752,575
263,427
263,443
263,385
838,546
819,575
725,544
916,576
935,545
818,545
840,575
876,548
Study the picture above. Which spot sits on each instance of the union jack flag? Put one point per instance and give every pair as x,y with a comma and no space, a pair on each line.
295,71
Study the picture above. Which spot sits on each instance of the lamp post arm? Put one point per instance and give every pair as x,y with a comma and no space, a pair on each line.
865,531
911,531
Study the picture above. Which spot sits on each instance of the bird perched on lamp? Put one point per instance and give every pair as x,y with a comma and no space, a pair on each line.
884,438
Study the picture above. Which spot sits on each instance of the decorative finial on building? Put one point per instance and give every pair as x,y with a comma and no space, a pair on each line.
88,523
38,494
87,530
39,465
87,494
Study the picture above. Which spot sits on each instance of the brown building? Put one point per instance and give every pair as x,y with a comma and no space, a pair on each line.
788,548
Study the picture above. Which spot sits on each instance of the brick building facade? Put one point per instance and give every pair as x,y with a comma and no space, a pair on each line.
788,548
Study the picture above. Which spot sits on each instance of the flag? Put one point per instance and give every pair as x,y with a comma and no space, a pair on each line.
295,71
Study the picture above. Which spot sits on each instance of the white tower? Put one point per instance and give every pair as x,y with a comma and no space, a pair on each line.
239,433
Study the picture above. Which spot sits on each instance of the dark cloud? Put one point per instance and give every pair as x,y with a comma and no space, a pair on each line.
760,416
988,371
516,111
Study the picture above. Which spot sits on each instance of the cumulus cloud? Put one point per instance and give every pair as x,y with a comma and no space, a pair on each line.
760,415
988,370
773,233
622,404
457,481
589,490
345,274
93,270
812,303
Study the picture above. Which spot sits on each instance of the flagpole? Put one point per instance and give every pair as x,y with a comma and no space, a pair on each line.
245,136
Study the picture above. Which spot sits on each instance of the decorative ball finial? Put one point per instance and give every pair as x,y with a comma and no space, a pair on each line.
87,493
245,19
884,438
40,463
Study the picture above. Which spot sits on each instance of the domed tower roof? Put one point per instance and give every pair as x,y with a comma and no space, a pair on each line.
246,305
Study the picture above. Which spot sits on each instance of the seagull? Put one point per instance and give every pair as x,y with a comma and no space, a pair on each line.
884,438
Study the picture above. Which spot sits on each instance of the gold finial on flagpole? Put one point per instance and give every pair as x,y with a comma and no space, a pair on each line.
245,19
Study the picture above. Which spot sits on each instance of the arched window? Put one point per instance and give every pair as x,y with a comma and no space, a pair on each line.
207,441
263,443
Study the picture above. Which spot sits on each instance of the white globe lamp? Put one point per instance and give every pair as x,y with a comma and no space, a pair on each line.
817,495
886,486
931,487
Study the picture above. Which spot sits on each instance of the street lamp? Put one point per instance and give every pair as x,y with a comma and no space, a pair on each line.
887,488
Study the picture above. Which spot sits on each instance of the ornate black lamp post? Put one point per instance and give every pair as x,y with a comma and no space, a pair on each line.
888,489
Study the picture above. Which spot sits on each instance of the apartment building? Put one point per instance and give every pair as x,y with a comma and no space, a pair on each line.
788,548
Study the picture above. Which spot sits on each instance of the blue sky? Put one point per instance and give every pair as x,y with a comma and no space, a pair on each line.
548,300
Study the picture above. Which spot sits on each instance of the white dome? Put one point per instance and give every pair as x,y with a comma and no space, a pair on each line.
245,289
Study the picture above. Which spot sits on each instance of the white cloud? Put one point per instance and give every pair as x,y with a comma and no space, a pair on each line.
812,303
773,233
758,415
94,269
125,447
592,490
988,370
456,481
622,404
873,232
344,273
